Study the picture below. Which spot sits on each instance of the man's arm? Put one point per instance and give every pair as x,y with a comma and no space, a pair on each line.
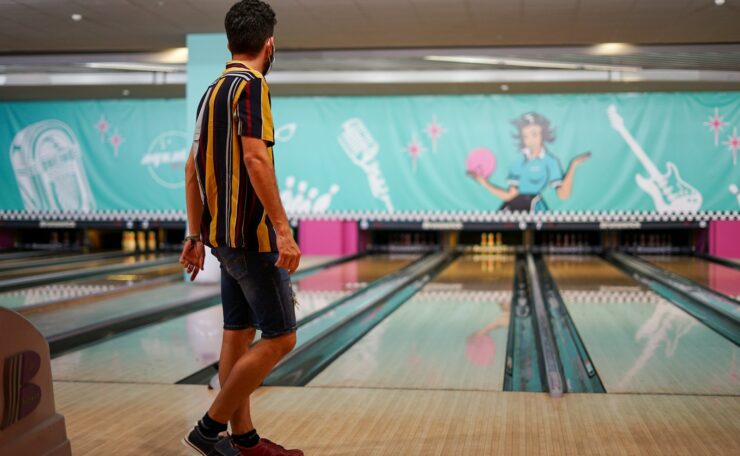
262,175
193,252
193,201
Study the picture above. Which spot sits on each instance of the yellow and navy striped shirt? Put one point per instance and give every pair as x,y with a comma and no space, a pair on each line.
237,104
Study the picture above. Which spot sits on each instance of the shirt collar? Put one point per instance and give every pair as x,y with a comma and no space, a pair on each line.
237,65
527,153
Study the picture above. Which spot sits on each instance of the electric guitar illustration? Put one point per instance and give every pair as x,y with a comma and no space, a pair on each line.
668,191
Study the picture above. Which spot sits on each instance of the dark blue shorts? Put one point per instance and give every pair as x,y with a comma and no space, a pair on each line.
255,293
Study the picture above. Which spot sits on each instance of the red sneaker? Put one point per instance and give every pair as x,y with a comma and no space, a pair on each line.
266,448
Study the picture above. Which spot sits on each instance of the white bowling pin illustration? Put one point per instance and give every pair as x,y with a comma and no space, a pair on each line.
47,161
306,205
299,196
734,190
287,195
324,201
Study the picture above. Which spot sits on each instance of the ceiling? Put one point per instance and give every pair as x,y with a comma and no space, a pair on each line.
43,26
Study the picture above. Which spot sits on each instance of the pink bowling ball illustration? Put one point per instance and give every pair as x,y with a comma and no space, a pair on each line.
481,162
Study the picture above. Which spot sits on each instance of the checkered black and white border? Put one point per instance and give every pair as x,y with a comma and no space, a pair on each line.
432,217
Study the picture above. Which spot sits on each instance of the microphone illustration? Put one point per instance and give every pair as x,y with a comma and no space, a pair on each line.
360,146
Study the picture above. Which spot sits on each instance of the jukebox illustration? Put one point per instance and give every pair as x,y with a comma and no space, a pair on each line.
47,161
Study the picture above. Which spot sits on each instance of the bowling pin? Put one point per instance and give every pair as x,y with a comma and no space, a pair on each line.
287,195
141,241
152,241
308,202
299,196
324,201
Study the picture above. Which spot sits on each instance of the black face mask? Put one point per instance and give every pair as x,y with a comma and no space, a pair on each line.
270,61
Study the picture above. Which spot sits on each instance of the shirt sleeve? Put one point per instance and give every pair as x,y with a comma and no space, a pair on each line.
199,116
253,112
554,172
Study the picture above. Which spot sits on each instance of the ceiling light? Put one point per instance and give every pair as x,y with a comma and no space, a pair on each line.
612,49
719,2
77,17
527,63
172,56
132,66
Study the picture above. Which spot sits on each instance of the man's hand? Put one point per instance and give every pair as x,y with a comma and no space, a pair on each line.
289,253
192,258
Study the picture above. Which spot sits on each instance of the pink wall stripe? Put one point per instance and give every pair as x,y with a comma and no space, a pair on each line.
724,238
321,237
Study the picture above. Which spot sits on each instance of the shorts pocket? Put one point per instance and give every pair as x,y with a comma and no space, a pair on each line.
233,261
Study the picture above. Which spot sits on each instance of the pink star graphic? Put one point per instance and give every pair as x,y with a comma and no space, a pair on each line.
733,142
116,140
435,131
102,126
415,149
715,124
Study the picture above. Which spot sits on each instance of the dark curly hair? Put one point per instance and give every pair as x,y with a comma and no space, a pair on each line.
533,118
249,23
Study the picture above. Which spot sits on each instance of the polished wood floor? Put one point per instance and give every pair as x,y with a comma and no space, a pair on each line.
425,381
148,419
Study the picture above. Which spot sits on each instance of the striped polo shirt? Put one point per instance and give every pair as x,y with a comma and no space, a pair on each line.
236,104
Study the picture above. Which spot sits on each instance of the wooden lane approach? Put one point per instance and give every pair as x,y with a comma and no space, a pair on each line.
105,418
29,424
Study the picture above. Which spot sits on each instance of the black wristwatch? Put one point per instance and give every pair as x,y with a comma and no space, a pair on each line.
193,238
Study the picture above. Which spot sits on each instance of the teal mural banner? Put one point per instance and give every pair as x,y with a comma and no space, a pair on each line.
93,155
655,152
612,152
540,153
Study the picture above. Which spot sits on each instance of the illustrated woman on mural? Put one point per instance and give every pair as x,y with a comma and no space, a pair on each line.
536,168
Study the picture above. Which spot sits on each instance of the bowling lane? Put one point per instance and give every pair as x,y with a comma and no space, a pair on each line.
22,255
450,335
172,350
638,341
717,277
49,266
140,296
75,292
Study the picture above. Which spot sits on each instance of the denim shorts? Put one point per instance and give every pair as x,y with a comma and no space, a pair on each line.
255,293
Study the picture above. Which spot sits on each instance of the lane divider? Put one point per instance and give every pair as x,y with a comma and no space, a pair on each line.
716,311
309,359
43,279
105,329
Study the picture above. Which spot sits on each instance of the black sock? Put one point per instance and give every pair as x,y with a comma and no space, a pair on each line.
209,427
247,440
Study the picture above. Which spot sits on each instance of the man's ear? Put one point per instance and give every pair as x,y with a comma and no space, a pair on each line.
228,46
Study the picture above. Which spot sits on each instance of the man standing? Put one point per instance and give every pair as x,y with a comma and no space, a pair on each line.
232,195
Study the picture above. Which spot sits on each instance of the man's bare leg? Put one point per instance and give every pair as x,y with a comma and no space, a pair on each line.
234,345
247,374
